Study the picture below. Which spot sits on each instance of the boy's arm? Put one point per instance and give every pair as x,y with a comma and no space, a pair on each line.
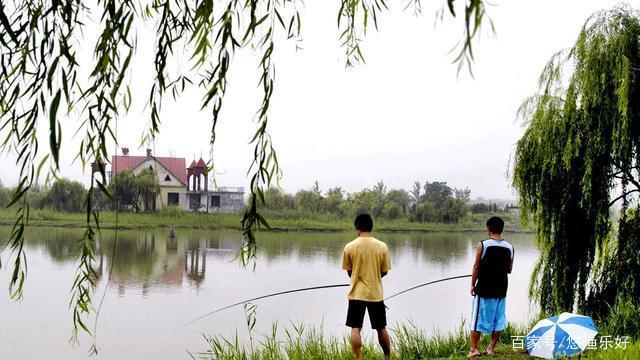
476,267
510,265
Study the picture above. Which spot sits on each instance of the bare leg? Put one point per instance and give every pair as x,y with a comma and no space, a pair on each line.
356,343
495,336
475,338
385,342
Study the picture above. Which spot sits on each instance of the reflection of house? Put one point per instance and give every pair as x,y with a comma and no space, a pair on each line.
179,186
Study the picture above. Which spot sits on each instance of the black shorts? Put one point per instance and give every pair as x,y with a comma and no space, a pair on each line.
377,314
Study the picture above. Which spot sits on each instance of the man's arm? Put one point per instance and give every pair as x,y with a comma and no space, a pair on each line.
476,268
385,263
346,262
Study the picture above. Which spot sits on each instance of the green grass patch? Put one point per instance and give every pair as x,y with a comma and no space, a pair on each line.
279,221
408,342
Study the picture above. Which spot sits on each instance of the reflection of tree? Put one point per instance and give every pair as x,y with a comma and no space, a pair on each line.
145,259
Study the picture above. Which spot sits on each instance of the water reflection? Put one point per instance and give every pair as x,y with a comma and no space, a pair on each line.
144,259
159,282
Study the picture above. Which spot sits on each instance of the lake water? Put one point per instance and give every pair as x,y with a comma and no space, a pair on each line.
158,284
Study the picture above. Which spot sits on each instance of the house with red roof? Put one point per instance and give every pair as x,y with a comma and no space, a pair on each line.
180,186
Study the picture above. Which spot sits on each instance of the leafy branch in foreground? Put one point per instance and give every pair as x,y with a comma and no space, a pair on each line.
43,86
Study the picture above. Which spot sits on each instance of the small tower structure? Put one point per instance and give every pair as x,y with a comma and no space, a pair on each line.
196,173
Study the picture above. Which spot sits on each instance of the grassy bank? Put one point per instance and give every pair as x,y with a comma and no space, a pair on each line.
408,343
278,221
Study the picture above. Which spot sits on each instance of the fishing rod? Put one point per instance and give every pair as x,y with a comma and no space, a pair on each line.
317,288
266,296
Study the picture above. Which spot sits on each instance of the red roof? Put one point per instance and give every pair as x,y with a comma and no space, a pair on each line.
175,166
201,163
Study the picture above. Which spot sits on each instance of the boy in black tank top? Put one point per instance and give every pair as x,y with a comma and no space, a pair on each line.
489,282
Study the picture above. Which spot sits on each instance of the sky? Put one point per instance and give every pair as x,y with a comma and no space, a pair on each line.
406,115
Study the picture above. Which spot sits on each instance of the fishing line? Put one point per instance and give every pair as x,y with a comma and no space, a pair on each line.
318,288
427,283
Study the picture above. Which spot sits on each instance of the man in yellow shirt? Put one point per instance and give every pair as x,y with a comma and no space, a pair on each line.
366,260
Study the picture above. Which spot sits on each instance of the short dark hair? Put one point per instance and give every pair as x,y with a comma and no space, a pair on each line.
364,223
495,225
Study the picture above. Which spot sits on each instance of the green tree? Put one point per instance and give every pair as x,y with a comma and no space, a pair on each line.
66,195
436,192
276,199
400,198
4,195
463,194
380,188
333,199
453,210
365,201
123,190
308,200
146,188
479,208
416,193
391,211
577,158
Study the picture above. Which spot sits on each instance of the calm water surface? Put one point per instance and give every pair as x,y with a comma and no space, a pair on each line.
159,284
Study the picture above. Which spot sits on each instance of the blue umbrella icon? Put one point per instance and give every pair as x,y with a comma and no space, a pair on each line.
561,335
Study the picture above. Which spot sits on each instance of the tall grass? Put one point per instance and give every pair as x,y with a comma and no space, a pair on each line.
408,342
299,342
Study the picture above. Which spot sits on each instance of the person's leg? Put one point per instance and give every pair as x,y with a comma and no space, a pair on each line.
378,317
385,342
475,338
475,334
495,337
356,343
355,317
499,324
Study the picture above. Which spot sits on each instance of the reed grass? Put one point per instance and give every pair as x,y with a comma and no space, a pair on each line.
408,342
300,342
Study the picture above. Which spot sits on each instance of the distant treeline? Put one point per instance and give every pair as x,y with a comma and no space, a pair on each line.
63,195
429,202
132,192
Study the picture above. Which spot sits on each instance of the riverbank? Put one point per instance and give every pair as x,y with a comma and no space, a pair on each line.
278,222
408,343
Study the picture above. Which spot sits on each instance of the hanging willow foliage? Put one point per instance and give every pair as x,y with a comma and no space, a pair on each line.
43,86
579,156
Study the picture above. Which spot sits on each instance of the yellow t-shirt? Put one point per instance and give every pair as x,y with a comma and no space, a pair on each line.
366,258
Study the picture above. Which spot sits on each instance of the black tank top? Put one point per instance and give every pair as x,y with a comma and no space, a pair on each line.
494,268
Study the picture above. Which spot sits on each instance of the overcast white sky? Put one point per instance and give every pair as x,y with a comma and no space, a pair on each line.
404,116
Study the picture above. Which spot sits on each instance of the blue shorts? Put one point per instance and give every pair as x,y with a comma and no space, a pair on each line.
488,314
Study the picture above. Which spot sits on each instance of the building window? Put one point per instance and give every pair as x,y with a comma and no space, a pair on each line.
167,178
173,198
215,201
